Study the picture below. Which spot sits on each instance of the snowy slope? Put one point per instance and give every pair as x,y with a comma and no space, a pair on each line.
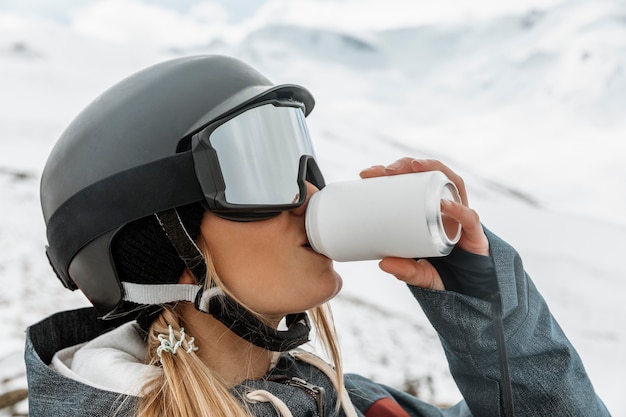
526,102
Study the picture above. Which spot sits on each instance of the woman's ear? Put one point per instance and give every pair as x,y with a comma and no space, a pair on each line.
186,277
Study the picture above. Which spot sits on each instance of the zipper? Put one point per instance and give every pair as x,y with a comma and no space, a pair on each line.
316,392
508,407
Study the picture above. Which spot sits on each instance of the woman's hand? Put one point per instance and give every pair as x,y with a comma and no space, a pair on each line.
421,273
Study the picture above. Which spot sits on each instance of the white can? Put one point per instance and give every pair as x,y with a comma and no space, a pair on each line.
397,215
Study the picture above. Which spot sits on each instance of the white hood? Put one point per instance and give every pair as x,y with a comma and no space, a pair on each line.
115,361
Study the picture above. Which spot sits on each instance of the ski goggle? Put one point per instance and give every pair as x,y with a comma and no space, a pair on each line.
255,164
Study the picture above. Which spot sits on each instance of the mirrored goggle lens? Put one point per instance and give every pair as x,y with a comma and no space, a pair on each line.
259,153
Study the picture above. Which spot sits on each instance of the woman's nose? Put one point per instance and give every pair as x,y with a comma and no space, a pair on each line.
310,190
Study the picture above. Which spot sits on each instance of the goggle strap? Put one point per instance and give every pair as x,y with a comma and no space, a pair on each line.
165,183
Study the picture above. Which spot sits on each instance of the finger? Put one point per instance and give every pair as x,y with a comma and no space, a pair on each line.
473,239
419,273
424,165
373,171
401,166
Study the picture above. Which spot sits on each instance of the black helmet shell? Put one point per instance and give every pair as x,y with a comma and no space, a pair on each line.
121,159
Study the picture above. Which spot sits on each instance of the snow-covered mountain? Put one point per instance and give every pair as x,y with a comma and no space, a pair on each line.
526,101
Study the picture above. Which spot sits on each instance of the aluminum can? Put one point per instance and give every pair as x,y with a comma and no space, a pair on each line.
397,215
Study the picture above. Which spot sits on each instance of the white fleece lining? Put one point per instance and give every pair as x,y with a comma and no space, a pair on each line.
114,361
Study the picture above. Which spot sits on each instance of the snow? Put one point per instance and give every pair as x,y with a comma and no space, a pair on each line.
525,99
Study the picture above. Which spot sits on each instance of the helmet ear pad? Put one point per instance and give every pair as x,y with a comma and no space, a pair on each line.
142,254
139,252
94,260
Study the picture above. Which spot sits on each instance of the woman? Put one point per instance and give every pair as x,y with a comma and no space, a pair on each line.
175,202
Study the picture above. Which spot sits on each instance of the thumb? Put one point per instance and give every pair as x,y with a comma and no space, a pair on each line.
419,273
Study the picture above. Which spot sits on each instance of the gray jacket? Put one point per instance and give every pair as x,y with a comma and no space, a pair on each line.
541,371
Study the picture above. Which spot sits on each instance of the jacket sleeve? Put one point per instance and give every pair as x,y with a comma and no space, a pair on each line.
547,377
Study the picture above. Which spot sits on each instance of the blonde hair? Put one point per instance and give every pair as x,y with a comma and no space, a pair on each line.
187,386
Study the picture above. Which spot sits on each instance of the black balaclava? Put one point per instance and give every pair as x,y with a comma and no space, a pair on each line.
144,255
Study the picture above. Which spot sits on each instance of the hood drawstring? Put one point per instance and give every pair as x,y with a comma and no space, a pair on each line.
311,359
267,397
317,362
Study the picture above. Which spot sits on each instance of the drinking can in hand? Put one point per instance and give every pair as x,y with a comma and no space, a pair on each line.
397,215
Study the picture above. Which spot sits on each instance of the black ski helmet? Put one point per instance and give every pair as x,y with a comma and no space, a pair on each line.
122,159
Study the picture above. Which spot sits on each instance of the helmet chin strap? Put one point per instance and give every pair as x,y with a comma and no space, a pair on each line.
215,302
248,326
